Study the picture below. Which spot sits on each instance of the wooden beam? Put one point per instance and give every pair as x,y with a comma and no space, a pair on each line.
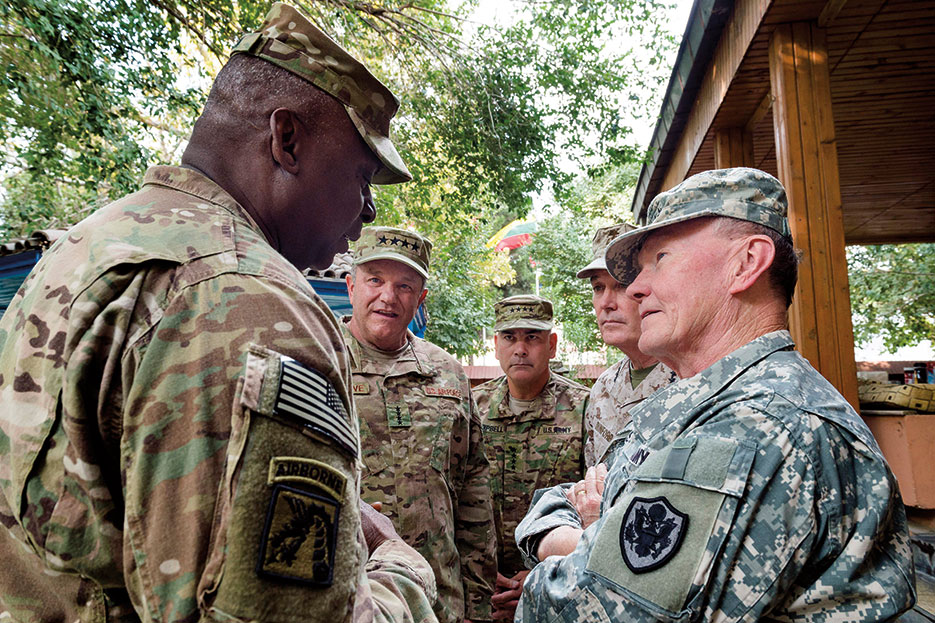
733,147
760,113
829,12
806,155
731,48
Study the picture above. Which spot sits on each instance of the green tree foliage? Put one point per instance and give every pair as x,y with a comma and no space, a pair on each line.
92,93
893,293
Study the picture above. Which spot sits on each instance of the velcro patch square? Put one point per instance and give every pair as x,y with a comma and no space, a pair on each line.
305,393
299,537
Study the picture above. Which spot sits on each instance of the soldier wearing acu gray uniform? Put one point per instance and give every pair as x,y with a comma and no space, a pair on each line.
423,449
533,422
748,490
179,438
634,378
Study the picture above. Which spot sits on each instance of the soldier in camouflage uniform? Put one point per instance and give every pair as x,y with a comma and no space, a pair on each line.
534,426
179,441
748,490
634,378
421,439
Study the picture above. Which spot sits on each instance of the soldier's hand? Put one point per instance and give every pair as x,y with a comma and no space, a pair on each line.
505,600
377,527
586,495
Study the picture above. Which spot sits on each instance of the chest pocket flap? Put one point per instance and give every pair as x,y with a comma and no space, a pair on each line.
660,538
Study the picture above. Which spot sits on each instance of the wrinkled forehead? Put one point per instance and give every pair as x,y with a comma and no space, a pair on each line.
386,268
681,234
521,333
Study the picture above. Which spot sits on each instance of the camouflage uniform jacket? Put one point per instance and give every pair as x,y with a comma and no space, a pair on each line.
541,447
151,468
750,491
423,453
612,397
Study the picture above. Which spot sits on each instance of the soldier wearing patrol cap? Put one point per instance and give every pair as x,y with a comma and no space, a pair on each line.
625,384
179,437
749,490
533,422
421,438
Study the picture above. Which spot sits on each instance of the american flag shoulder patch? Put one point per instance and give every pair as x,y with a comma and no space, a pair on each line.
305,394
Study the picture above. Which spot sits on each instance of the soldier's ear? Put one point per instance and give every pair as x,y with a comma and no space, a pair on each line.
284,129
553,344
752,260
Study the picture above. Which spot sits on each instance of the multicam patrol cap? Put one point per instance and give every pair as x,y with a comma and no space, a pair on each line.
289,40
391,243
602,238
740,193
525,311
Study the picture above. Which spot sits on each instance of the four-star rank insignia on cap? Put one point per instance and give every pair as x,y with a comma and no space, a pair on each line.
307,395
651,533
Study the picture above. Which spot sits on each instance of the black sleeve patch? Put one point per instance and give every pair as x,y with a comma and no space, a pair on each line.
299,537
304,393
651,533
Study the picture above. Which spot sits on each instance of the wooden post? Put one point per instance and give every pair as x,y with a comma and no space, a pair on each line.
733,147
807,159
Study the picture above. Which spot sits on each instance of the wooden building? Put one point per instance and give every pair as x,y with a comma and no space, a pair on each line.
836,99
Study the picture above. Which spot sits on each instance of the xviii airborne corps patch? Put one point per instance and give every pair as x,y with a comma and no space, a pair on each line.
299,537
651,533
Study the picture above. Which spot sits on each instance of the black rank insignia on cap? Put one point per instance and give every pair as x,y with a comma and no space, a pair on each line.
305,393
651,533
299,537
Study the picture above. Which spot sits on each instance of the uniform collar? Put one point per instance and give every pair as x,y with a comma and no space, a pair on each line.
542,407
411,361
198,185
653,416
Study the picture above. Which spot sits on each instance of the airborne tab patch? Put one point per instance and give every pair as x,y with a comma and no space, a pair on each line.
304,393
299,537
651,533
307,471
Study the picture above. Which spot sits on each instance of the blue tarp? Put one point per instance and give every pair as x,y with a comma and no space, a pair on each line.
15,267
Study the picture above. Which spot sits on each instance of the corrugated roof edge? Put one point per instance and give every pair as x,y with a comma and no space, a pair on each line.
40,239
702,32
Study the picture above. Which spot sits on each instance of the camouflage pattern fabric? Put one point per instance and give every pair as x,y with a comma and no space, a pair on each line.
748,492
147,454
391,243
612,398
541,447
740,192
523,311
423,454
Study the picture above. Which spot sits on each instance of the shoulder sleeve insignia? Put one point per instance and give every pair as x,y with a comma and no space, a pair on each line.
304,393
651,533
299,537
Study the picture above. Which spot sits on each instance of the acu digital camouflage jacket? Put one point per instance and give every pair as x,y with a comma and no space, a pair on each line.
177,432
424,460
541,447
751,491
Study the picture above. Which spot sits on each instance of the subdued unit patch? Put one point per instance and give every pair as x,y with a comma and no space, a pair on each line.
299,538
651,533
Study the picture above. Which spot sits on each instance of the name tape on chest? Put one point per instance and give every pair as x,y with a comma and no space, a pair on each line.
306,394
361,388
447,392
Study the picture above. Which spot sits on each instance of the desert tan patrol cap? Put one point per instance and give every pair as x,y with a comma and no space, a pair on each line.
602,238
525,311
289,40
391,243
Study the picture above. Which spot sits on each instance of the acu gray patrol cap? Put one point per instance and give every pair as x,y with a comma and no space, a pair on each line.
741,193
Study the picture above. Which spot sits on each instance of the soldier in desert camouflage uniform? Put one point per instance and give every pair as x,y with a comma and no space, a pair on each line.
533,422
637,376
179,441
421,439
749,490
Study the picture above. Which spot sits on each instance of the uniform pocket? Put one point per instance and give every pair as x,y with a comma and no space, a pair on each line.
659,540
287,500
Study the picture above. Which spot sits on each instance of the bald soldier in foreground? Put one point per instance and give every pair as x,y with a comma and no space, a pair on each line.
178,437
749,490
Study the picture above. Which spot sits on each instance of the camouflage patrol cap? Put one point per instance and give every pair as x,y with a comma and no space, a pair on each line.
602,238
741,193
391,243
525,311
289,40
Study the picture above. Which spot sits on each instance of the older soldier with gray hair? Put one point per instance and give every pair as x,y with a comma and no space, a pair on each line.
423,449
179,437
749,489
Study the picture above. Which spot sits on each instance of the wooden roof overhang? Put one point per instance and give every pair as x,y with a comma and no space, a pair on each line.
881,60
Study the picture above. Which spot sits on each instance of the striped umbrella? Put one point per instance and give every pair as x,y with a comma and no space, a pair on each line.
513,235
